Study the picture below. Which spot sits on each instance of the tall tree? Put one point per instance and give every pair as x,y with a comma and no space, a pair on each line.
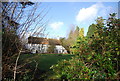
65,44
15,24
91,30
81,32
73,35
78,42
76,33
70,38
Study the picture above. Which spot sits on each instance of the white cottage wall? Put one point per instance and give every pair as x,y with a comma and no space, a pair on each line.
42,48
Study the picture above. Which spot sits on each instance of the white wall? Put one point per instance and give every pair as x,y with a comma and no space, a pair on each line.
40,48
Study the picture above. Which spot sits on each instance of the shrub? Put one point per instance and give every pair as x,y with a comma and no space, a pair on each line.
97,57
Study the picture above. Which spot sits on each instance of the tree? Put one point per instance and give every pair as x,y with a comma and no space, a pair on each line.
73,35
98,57
15,24
65,44
81,32
76,46
91,30
51,49
70,38
76,33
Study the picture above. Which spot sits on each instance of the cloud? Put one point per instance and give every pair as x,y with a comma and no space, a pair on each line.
87,16
56,25
88,13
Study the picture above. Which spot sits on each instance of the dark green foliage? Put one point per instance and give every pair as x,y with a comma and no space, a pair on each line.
96,57
91,30
51,49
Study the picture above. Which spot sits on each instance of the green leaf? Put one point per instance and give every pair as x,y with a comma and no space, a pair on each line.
118,53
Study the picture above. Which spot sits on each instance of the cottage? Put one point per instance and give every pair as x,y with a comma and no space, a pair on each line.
41,45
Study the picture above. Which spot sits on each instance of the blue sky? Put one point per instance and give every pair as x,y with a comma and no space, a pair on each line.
65,14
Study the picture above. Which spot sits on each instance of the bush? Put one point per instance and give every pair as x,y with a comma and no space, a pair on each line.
97,57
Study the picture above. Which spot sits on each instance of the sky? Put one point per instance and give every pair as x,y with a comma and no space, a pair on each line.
74,0
65,15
